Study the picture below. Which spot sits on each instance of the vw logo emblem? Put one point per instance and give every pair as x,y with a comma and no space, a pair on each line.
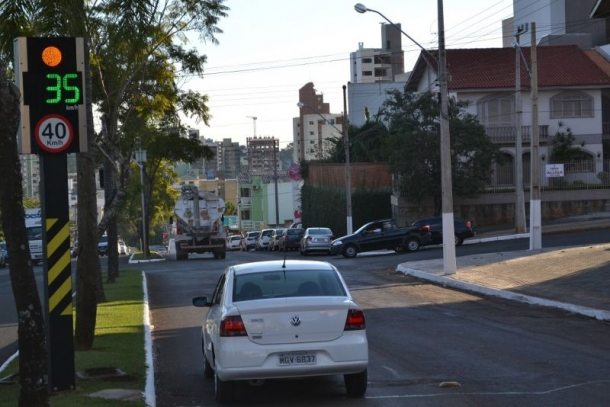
295,321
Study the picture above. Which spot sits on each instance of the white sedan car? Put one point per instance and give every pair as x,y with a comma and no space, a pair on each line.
283,319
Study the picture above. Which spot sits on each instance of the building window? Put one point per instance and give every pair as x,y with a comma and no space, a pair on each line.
311,133
571,104
380,72
496,111
367,60
367,73
311,122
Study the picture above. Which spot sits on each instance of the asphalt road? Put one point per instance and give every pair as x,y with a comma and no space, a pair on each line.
420,335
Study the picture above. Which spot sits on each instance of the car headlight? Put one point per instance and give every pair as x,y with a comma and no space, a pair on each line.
337,243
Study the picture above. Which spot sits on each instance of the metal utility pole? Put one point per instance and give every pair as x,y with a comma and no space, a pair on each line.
348,169
520,226
277,208
535,212
141,160
449,261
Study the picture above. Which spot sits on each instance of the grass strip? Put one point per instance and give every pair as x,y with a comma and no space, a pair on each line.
119,343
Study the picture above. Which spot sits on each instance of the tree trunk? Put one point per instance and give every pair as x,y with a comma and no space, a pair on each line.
111,229
88,272
31,328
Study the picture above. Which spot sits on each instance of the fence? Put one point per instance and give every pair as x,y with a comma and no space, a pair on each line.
578,174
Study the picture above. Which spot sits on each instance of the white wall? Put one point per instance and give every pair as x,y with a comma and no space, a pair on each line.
549,16
369,95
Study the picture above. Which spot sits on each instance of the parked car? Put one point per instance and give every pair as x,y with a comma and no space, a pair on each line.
3,254
123,248
233,242
275,239
249,241
262,243
316,240
463,229
282,319
379,235
291,239
102,245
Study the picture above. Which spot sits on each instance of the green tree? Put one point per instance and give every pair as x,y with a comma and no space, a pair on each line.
415,150
30,322
138,58
161,199
369,143
563,149
230,208
136,51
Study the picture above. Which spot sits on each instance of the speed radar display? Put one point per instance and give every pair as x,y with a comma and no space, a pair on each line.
50,76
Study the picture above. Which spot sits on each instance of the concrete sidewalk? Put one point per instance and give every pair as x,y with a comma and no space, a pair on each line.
574,279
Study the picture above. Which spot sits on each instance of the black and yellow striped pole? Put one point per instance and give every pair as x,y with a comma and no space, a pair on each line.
58,271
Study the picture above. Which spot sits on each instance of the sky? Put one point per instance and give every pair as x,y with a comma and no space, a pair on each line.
269,49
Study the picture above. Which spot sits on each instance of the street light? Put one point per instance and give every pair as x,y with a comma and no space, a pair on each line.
449,261
348,170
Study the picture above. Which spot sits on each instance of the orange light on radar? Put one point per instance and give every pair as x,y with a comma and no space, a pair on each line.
51,56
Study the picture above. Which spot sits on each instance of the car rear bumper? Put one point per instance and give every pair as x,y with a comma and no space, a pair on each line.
317,247
241,359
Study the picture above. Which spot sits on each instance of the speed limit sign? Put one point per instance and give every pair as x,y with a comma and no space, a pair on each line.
54,133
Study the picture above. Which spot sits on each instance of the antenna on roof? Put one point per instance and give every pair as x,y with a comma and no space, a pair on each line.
284,263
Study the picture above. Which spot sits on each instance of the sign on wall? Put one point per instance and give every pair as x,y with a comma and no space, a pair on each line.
553,170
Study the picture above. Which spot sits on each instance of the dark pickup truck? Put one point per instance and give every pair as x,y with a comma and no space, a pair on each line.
379,235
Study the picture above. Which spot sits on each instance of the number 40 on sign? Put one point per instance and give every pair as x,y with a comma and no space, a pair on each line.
54,133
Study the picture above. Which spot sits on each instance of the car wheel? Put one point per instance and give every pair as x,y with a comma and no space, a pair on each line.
355,384
458,240
350,251
223,390
208,371
412,245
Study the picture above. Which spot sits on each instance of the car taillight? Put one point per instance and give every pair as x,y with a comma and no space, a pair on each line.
309,238
426,228
355,320
233,326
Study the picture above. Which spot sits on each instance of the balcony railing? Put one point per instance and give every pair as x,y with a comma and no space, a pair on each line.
506,135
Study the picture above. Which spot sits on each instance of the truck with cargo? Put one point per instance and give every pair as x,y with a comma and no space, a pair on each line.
199,223
33,226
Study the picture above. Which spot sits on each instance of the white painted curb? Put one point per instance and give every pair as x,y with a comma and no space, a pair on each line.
8,361
149,390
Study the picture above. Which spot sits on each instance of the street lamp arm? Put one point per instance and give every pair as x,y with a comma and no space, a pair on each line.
361,8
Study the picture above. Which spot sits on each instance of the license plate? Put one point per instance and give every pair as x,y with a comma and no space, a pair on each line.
291,359
322,239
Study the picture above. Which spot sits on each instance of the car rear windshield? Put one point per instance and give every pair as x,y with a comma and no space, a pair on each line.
320,231
295,232
289,283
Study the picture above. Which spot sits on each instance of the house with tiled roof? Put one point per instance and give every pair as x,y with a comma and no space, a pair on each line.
573,93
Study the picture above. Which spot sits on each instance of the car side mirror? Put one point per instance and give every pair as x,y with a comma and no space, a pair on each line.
201,302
